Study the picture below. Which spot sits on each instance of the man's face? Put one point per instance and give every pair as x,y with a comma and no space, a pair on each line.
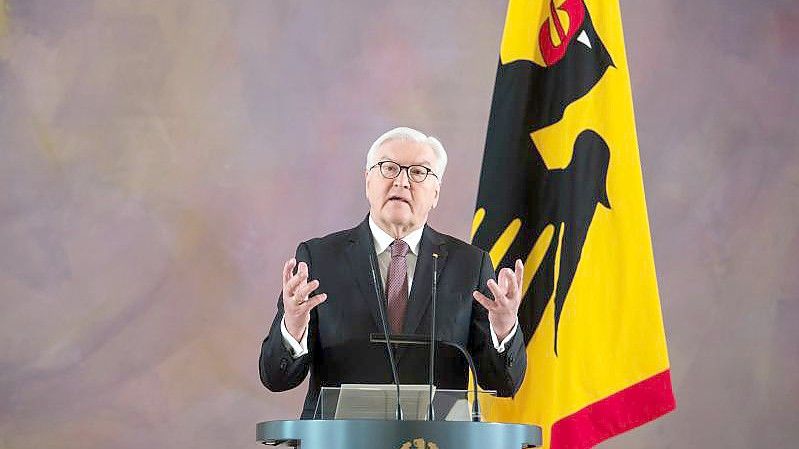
400,202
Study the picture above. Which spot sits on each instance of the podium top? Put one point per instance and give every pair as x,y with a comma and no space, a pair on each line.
365,401
385,434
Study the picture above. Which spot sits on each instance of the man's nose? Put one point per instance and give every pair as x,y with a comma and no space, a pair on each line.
402,180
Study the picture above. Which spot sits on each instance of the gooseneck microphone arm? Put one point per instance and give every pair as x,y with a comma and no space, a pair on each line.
430,412
414,339
390,351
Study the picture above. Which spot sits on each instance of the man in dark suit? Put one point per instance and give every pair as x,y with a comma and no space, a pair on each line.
328,306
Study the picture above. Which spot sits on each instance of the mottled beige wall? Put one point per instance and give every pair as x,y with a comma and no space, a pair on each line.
160,159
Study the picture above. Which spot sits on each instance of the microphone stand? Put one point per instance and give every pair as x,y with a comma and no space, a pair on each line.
430,411
415,339
391,360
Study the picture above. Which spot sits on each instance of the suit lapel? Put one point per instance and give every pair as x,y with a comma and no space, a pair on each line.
360,249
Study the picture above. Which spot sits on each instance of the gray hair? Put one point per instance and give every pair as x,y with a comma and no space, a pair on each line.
404,133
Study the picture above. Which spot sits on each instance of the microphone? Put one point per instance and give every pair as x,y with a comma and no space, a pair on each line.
430,412
414,339
381,306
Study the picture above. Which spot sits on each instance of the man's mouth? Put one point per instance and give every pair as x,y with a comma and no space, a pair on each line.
398,198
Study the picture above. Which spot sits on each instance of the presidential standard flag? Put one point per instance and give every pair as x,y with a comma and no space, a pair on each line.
561,189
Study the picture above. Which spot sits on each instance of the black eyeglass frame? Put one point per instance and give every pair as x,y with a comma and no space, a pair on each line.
428,171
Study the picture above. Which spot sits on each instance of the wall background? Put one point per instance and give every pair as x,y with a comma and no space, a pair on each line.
159,160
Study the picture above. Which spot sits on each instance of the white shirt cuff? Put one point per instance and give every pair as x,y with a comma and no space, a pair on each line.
500,347
300,348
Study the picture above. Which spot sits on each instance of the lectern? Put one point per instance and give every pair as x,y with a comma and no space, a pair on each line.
452,429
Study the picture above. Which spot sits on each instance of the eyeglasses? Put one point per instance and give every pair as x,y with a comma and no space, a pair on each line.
391,169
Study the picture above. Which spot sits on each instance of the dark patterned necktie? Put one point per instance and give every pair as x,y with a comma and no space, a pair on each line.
397,286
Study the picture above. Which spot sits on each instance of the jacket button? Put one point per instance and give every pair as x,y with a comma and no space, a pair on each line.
284,364
510,361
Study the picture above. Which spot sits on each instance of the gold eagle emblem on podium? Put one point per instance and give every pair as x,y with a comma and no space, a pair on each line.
418,443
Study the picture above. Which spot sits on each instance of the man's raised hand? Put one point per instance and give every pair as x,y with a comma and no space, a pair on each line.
297,305
504,309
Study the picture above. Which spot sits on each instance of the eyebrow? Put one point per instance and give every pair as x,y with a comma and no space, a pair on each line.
424,162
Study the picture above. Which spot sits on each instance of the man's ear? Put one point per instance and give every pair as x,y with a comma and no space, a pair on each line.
435,198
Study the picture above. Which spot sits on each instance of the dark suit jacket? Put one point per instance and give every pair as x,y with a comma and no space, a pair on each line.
338,334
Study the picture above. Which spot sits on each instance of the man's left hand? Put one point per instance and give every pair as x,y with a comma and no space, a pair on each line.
504,309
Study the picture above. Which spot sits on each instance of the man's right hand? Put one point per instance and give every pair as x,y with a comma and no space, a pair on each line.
297,305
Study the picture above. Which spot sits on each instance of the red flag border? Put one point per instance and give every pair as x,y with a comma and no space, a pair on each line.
624,410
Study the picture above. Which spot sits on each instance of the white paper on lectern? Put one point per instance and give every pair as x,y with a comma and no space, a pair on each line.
368,401
460,411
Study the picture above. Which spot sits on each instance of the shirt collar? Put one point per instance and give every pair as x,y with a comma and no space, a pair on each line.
382,240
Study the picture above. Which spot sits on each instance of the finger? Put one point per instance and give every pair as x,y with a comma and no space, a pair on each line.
287,269
302,271
314,301
302,268
519,273
506,278
296,281
302,292
484,300
296,295
495,289
510,277
513,288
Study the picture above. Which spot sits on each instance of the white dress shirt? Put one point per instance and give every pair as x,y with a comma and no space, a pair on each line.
382,240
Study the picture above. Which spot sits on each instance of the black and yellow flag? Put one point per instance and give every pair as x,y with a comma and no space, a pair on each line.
561,189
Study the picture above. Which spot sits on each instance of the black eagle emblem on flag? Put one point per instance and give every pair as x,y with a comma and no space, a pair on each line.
515,183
